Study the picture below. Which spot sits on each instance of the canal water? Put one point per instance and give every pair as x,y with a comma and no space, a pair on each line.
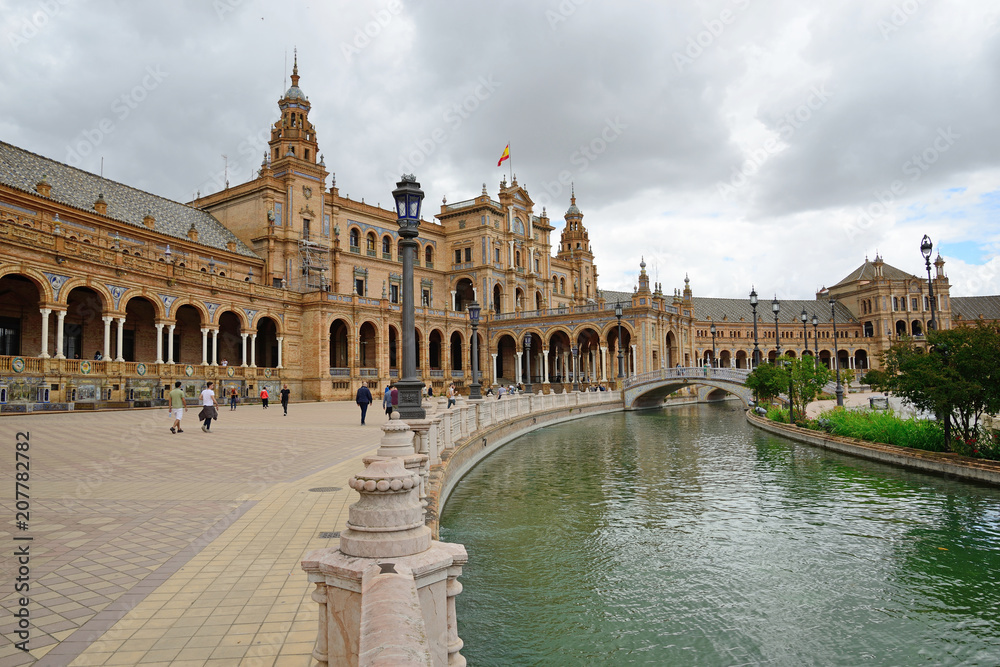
687,537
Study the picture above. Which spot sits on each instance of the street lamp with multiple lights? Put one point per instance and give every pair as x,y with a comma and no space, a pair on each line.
926,247
755,360
805,332
715,364
815,323
474,388
776,307
621,355
408,197
836,353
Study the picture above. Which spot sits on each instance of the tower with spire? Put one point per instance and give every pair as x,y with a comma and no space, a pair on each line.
574,248
293,136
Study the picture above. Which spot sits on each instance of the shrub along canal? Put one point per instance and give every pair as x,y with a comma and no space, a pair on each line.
687,537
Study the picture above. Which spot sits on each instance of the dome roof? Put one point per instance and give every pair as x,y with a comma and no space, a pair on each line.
295,93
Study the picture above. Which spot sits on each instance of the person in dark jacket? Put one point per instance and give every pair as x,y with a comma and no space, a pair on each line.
364,399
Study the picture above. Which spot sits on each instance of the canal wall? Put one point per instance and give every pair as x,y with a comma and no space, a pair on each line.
938,463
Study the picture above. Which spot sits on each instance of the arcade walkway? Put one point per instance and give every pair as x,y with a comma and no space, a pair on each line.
158,549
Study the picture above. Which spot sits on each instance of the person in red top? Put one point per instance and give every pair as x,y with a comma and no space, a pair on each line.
263,397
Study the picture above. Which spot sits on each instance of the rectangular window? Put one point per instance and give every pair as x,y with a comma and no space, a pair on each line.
425,298
10,336
895,303
468,254
458,256
497,255
305,228
394,293
359,286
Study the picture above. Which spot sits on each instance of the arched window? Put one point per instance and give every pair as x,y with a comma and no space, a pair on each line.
386,246
429,256
562,285
517,258
371,243
355,238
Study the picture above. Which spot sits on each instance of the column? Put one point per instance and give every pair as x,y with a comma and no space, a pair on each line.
493,354
107,336
60,315
564,368
204,346
280,339
243,335
45,331
170,344
453,293
635,369
253,350
120,321
604,363
159,343
215,346
545,365
517,368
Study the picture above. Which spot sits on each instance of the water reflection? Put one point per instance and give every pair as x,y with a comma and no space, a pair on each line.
685,537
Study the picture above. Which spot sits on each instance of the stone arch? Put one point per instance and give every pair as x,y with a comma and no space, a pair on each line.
238,312
158,308
230,342
107,301
279,325
435,343
518,298
671,350
194,303
506,349
387,245
21,309
497,300
83,328
539,303
266,353
464,291
189,318
340,356
861,359
368,338
354,236
139,335
457,344
46,293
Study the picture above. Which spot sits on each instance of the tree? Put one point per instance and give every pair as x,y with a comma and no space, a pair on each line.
957,376
767,381
808,380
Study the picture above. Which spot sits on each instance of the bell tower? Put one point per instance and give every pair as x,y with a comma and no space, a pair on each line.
293,137
574,247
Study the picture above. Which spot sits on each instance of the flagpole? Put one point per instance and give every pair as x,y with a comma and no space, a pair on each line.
511,163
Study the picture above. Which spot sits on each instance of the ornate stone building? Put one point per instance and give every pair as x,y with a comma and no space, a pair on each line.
109,294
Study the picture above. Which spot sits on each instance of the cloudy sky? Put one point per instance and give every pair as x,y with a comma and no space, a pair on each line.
741,142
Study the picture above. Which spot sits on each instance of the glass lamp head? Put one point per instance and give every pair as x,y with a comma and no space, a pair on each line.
926,247
753,297
474,311
775,306
408,197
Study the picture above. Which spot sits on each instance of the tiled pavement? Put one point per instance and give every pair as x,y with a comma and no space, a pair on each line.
158,549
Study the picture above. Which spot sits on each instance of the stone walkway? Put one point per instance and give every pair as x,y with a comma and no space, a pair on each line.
158,549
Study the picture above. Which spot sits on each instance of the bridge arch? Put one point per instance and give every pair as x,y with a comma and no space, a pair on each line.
647,390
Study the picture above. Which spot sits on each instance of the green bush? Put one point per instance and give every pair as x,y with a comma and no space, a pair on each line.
884,427
776,414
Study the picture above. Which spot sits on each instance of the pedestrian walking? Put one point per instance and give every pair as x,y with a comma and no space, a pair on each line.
387,400
363,399
394,397
177,407
285,393
451,395
263,397
208,410
232,399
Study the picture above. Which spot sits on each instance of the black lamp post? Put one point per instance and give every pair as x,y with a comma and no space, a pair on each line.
527,352
776,307
925,249
836,353
621,355
755,361
715,364
805,332
815,323
474,388
409,196
576,367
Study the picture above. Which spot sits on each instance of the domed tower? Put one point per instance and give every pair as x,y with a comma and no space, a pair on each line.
574,247
293,137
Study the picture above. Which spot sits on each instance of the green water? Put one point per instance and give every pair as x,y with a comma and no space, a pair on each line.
686,537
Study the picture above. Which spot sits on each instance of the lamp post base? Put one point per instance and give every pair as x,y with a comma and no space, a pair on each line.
840,395
527,387
411,394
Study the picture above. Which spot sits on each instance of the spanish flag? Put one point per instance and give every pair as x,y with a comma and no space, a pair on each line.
505,156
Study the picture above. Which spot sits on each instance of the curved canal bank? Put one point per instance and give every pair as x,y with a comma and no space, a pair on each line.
684,536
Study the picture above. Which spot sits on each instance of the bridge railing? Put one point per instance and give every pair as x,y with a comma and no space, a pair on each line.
737,375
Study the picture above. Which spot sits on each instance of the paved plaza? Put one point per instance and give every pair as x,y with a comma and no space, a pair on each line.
159,549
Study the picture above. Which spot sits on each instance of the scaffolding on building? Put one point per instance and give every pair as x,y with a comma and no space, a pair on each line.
314,263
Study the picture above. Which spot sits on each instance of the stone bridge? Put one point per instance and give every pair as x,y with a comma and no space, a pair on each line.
647,390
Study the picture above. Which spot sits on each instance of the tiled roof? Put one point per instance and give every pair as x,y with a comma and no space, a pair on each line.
731,310
972,307
23,170
611,297
867,272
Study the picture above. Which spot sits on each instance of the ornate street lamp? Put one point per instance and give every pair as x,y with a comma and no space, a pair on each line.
715,364
576,367
755,361
474,388
167,255
408,197
527,353
925,249
815,323
776,307
805,332
621,355
836,352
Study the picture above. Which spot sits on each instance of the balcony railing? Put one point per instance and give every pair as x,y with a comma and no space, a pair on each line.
356,249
